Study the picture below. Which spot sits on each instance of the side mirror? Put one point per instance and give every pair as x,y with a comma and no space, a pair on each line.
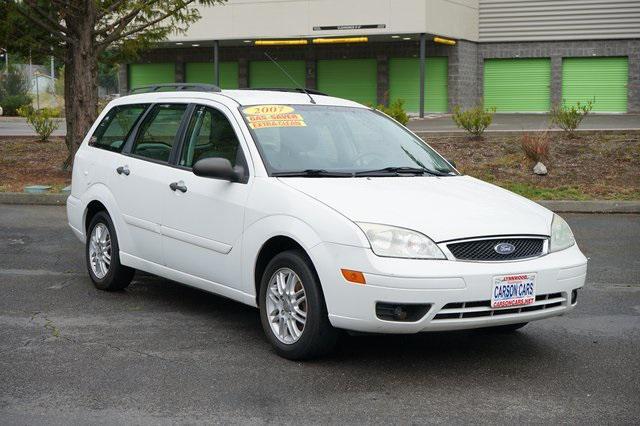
218,168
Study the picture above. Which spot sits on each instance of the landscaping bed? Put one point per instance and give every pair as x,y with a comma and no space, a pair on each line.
26,161
595,165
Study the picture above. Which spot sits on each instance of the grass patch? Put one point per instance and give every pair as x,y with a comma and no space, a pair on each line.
537,193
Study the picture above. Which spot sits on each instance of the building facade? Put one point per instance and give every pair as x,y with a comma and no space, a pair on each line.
514,55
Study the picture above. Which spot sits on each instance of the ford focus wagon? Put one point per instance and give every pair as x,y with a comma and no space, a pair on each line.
324,214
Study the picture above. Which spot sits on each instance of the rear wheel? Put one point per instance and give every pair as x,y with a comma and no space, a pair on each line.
292,309
103,255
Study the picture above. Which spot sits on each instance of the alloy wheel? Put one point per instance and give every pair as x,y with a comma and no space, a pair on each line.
286,304
100,250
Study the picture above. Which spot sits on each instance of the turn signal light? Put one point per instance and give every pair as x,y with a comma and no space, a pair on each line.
356,277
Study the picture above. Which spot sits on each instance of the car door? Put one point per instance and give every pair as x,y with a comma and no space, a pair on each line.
203,218
139,180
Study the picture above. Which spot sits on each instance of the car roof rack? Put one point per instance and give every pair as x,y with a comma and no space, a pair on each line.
287,89
175,87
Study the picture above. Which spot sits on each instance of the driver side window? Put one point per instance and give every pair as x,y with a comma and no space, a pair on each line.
210,134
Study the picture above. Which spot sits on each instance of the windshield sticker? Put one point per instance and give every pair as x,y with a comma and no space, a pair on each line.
263,116
267,109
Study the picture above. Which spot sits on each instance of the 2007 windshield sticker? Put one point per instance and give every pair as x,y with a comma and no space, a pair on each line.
264,116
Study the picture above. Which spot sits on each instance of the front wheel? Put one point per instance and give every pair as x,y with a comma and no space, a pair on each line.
292,309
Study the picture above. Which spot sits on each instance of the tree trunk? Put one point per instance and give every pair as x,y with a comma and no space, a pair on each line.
81,83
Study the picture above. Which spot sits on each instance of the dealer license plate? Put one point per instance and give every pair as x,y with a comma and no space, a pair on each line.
513,290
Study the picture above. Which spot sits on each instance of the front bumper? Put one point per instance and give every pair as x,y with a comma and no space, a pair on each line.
438,283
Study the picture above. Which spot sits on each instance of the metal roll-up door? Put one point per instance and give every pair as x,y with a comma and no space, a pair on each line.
404,83
603,80
354,79
264,74
518,85
202,72
146,74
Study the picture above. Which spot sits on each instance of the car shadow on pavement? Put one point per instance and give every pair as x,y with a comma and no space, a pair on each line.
428,351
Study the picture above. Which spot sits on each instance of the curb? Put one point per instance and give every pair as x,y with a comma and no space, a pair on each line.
33,199
558,206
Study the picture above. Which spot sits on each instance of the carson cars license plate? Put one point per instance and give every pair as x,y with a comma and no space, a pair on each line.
513,290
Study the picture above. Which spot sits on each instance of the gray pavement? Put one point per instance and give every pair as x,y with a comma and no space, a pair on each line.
10,126
162,353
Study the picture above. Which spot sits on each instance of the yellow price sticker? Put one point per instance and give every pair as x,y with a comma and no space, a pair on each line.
267,109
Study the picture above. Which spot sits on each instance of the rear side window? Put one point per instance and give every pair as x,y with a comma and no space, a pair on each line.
158,133
113,130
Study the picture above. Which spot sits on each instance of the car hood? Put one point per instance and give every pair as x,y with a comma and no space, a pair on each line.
443,208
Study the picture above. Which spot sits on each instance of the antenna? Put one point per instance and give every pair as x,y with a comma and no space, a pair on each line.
290,78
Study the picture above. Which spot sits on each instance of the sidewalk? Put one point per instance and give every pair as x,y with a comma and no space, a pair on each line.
519,122
17,126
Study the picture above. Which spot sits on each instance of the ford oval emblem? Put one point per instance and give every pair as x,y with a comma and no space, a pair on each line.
504,248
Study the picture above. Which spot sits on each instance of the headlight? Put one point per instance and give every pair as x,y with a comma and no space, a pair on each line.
561,235
391,241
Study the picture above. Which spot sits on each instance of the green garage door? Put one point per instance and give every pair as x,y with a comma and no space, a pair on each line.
354,79
517,85
145,74
404,83
202,72
603,80
267,74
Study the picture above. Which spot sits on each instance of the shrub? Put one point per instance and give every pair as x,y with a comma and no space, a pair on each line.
396,111
43,120
568,118
11,104
14,91
536,146
474,120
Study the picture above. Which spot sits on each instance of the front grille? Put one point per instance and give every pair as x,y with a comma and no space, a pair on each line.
485,249
482,308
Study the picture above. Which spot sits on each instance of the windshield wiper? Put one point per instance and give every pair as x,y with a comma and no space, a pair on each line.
312,173
400,171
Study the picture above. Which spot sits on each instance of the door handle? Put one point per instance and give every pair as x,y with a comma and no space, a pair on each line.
123,170
178,186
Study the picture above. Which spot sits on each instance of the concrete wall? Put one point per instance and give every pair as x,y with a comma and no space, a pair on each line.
260,19
553,20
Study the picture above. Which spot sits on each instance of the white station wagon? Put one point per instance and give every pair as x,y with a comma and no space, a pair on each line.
323,213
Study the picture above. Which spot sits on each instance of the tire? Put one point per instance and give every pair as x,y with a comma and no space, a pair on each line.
317,337
508,328
117,276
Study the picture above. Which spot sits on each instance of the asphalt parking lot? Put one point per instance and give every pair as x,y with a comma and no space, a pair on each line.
161,353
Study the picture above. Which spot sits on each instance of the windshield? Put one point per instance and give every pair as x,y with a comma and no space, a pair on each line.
342,141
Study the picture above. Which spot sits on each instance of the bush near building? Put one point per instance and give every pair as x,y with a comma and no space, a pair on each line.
569,117
474,120
396,111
